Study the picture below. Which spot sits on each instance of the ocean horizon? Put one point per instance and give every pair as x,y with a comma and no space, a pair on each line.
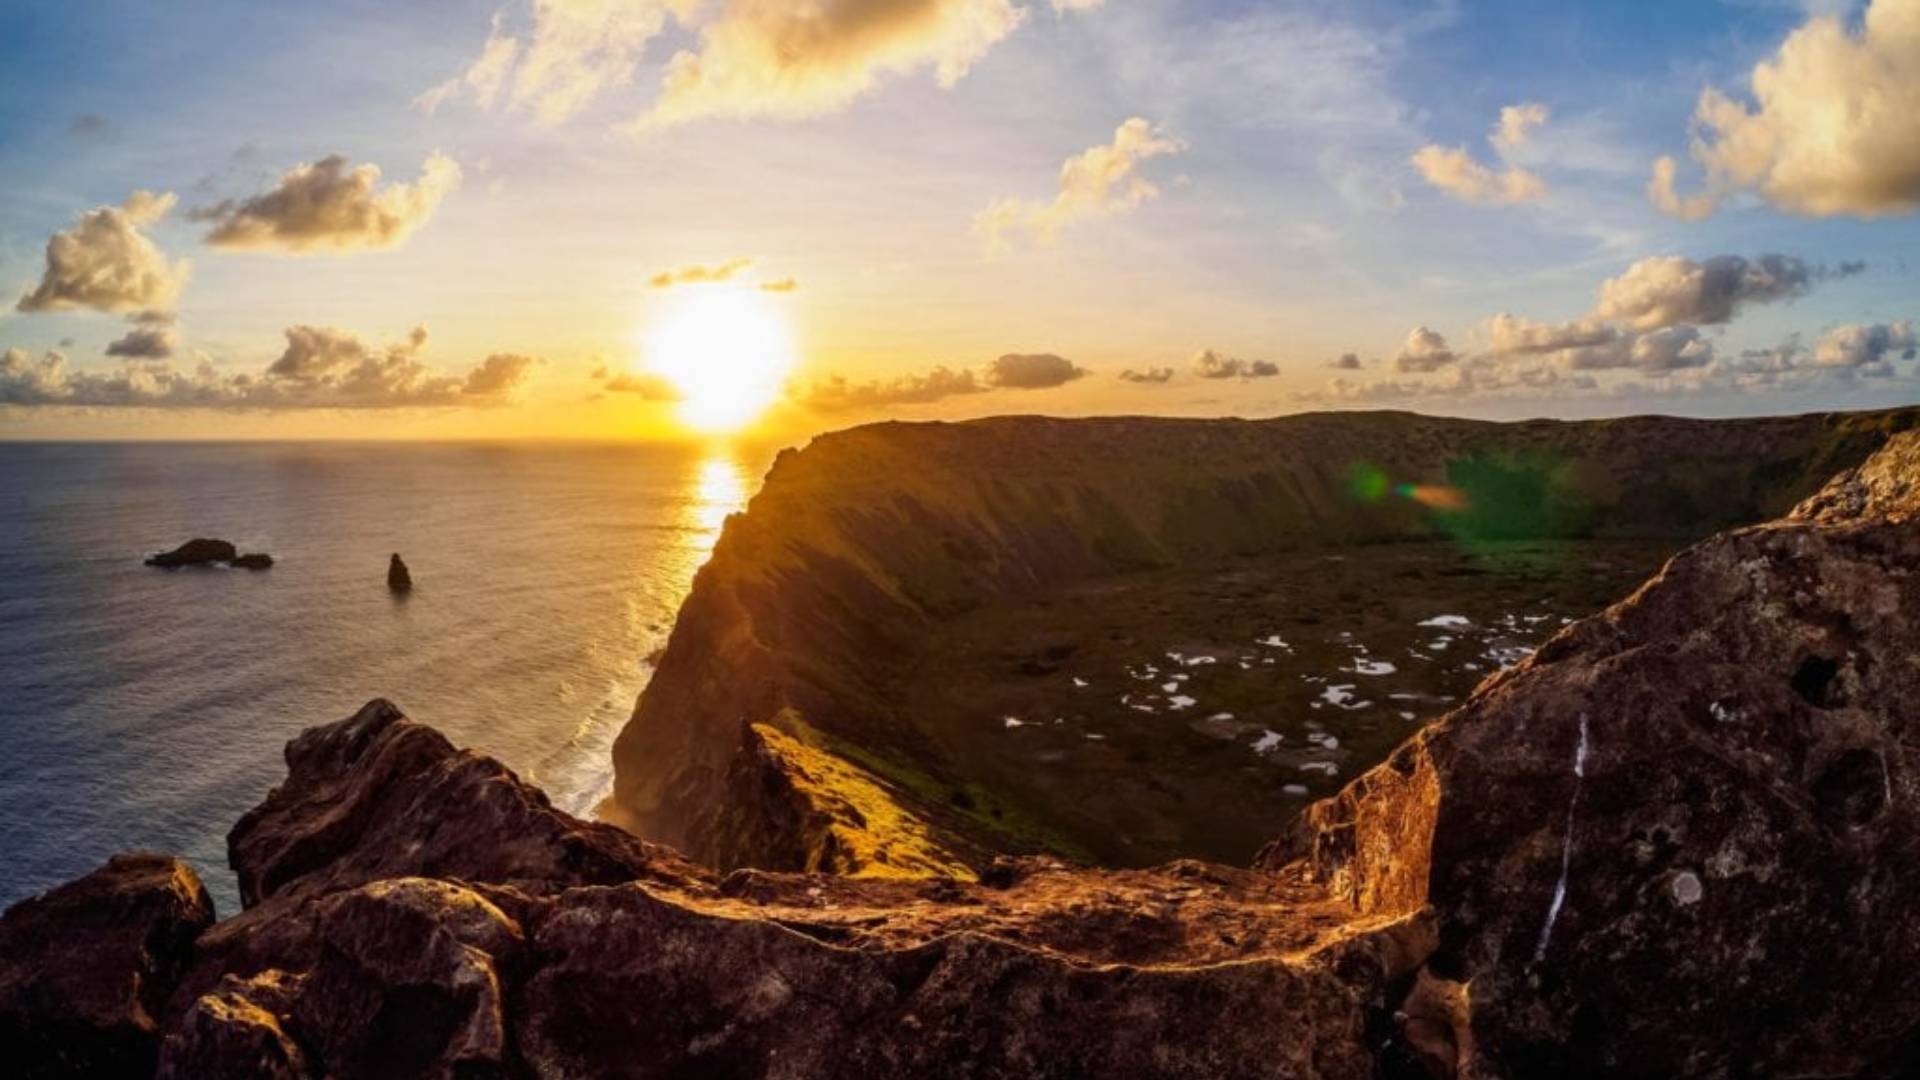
144,708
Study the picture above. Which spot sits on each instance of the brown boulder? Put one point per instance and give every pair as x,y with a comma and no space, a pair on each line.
86,968
369,798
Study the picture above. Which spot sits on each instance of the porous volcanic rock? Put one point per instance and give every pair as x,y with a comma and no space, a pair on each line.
86,968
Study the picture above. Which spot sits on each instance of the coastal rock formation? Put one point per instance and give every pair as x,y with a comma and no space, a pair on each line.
399,579
85,969
205,552
1679,841
813,614
1676,840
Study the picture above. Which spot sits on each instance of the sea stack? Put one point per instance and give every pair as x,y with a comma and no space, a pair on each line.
398,579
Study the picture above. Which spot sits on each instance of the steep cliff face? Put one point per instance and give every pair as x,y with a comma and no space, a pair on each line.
812,612
1680,841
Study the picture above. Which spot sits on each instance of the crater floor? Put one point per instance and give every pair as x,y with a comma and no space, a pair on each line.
1188,714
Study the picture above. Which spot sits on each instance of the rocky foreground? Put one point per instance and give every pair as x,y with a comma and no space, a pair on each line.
1683,840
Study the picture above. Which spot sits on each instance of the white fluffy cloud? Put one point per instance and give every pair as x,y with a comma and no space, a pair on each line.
1671,289
1213,365
778,58
105,263
320,369
1424,350
1032,371
1518,123
330,206
1859,346
1833,126
1453,170
1096,182
150,339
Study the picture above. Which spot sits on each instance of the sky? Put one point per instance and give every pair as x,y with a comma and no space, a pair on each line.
655,218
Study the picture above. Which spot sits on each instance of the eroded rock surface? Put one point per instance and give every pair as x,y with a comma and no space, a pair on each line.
85,969
1682,839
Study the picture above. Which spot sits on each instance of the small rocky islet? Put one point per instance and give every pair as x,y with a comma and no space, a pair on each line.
208,552
1676,841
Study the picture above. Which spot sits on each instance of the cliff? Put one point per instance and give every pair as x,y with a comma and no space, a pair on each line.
811,621
1678,841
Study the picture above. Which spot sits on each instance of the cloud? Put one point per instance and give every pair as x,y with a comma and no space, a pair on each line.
152,341
329,206
1097,182
377,379
699,275
1213,365
1345,362
1660,190
105,263
1512,334
1453,170
1032,371
648,385
1671,289
1425,350
1147,375
1834,124
574,51
498,375
785,284
1858,346
778,58
836,394
1517,124
89,125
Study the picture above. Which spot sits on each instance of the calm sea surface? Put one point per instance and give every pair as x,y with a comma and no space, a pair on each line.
142,708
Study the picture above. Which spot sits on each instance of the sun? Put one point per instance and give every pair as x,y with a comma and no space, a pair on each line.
727,353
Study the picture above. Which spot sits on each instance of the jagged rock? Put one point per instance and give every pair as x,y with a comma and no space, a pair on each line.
234,1033
199,552
205,552
86,968
399,579
365,799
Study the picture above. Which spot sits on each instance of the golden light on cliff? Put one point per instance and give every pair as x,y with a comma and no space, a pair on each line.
726,351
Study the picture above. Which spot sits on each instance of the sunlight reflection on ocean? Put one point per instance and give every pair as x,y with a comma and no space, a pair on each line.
141,708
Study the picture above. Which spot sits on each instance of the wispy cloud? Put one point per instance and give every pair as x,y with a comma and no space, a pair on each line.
1097,182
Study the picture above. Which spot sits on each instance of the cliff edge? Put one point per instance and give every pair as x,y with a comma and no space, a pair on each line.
777,731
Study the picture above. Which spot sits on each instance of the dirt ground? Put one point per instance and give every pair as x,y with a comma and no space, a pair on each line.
1191,714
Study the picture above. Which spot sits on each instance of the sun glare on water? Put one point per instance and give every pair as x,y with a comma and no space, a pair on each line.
726,352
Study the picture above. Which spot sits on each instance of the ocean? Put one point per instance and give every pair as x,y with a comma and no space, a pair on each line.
146,709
